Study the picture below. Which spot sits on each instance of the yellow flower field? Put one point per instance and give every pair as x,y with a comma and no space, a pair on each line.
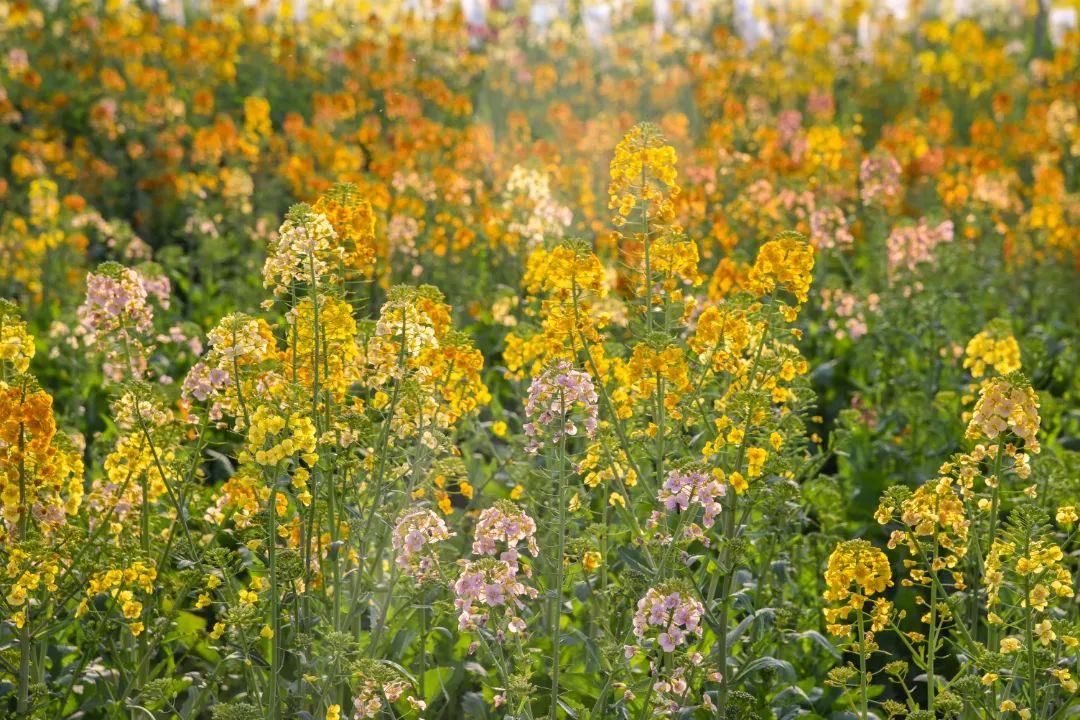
581,359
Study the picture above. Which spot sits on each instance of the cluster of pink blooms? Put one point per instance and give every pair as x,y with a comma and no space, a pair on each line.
672,689
116,302
507,524
850,312
156,284
682,489
673,613
116,315
486,584
829,229
829,226
202,381
178,335
998,191
820,104
552,397
401,232
415,530
489,582
879,179
788,125
368,703
908,247
116,235
108,499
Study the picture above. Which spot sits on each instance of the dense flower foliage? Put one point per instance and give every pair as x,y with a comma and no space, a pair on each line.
372,360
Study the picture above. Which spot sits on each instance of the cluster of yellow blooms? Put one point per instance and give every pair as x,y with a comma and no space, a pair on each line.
643,172
856,571
569,282
121,584
934,512
644,177
786,262
336,350
1020,569
272,438
131,461
27,574
16,345
1041,561
1007,404
41,470
649,367
352,217
994,347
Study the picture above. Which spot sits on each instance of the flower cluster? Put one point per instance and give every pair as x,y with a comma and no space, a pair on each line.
537,214
504,524
643,171
116,316
908,247
487,587
274,437
850,314
378,686
783,263
856,571
414,532
879,180
116,302
27,578
124,586
306,250
993,347
1007,404
352,217
41,470
681,489
238,345
553,396
668,616
16,344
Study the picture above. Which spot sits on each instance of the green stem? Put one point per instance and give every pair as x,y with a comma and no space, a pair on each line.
556,601
931,643
1029,633
22,704
144,540
275,613
862,666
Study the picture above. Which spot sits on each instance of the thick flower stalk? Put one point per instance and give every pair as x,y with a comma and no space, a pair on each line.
856,572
